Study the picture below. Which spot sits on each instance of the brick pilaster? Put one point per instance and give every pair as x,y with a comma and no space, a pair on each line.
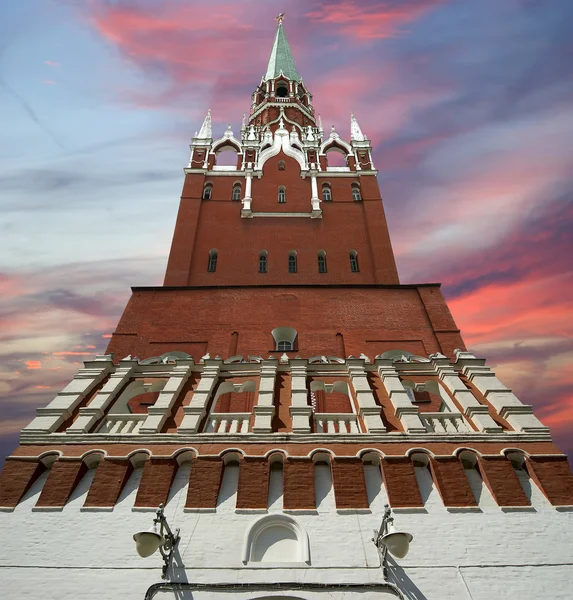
253,488
501,480
63,479
349,483
156,480
451,481
553,477
400,482
204,483
110,478
16,479
298,485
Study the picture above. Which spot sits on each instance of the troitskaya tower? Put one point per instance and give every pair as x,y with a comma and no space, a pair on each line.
274,395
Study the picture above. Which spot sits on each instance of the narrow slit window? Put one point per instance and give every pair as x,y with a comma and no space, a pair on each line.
322,262
326,193
263,262
212,264
356,193
354,261
292,266
236,192
207,192
282,195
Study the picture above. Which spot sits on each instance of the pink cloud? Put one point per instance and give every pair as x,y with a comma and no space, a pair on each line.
49,82
51,63
33,364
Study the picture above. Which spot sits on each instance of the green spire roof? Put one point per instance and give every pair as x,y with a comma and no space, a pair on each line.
281,59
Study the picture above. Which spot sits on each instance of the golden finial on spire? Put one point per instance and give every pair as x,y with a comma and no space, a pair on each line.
280,18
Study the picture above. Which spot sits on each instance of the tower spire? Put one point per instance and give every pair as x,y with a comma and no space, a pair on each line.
281,60
205,132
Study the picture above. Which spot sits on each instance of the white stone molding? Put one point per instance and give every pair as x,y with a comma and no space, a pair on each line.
196,409
333,140
478,413
281,141
367,407
300,411
48,419
264,409
158,413
508,406
408,414
90,415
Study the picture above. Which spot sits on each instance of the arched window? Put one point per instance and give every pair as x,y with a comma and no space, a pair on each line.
282,165
322,261
236,191
354,261
356,193
263,261
207,191
282,195
212,264
292,267
282,90
284,338
326,193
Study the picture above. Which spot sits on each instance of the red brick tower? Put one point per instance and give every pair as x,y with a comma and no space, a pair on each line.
282,335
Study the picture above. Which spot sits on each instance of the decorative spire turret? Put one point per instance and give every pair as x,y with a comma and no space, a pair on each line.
281,60
206,132
356,134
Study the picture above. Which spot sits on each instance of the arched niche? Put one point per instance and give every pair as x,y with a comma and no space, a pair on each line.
276,539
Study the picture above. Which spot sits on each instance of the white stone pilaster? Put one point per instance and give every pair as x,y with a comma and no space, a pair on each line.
367,407
520,416
90,415
300,411
158,413
408,414
264,409
48,419
196,409
471,408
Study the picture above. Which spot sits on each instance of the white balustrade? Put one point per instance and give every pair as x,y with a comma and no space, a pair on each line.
228,423
336,423
444,422
122,424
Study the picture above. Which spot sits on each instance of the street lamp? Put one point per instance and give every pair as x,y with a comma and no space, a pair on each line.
148,542
389,539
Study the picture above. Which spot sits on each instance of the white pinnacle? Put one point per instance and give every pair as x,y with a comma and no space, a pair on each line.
356,134
205,132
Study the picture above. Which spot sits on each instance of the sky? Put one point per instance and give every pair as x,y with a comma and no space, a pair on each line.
468,106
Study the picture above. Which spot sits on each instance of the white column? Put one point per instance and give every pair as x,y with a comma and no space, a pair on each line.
408,414
246,210
315,200
300,411
519,416
196,409
89,415
367,407
471,408
160,411
48,419
264,409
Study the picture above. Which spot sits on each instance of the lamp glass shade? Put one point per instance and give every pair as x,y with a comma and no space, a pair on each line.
148,542
397,542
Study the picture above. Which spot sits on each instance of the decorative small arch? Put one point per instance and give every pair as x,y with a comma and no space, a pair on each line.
263,261
326,192
282,194
354,267
356,195
207,191
276,539
336,157
322,261
212,264
236,195
284,338
292,262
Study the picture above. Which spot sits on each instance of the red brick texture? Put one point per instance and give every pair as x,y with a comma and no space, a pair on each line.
16,479
451,481
298,485
62,480
156,480
400,482
204,483
501,480
553,477
159,319
253,488
349,483
109,480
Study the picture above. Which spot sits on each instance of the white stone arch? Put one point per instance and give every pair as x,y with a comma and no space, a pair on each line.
281,141
281,532
284,334
133,389
333,143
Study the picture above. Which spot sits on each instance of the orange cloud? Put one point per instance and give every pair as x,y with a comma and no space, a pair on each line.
33,364
69,353
106,335
42,387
